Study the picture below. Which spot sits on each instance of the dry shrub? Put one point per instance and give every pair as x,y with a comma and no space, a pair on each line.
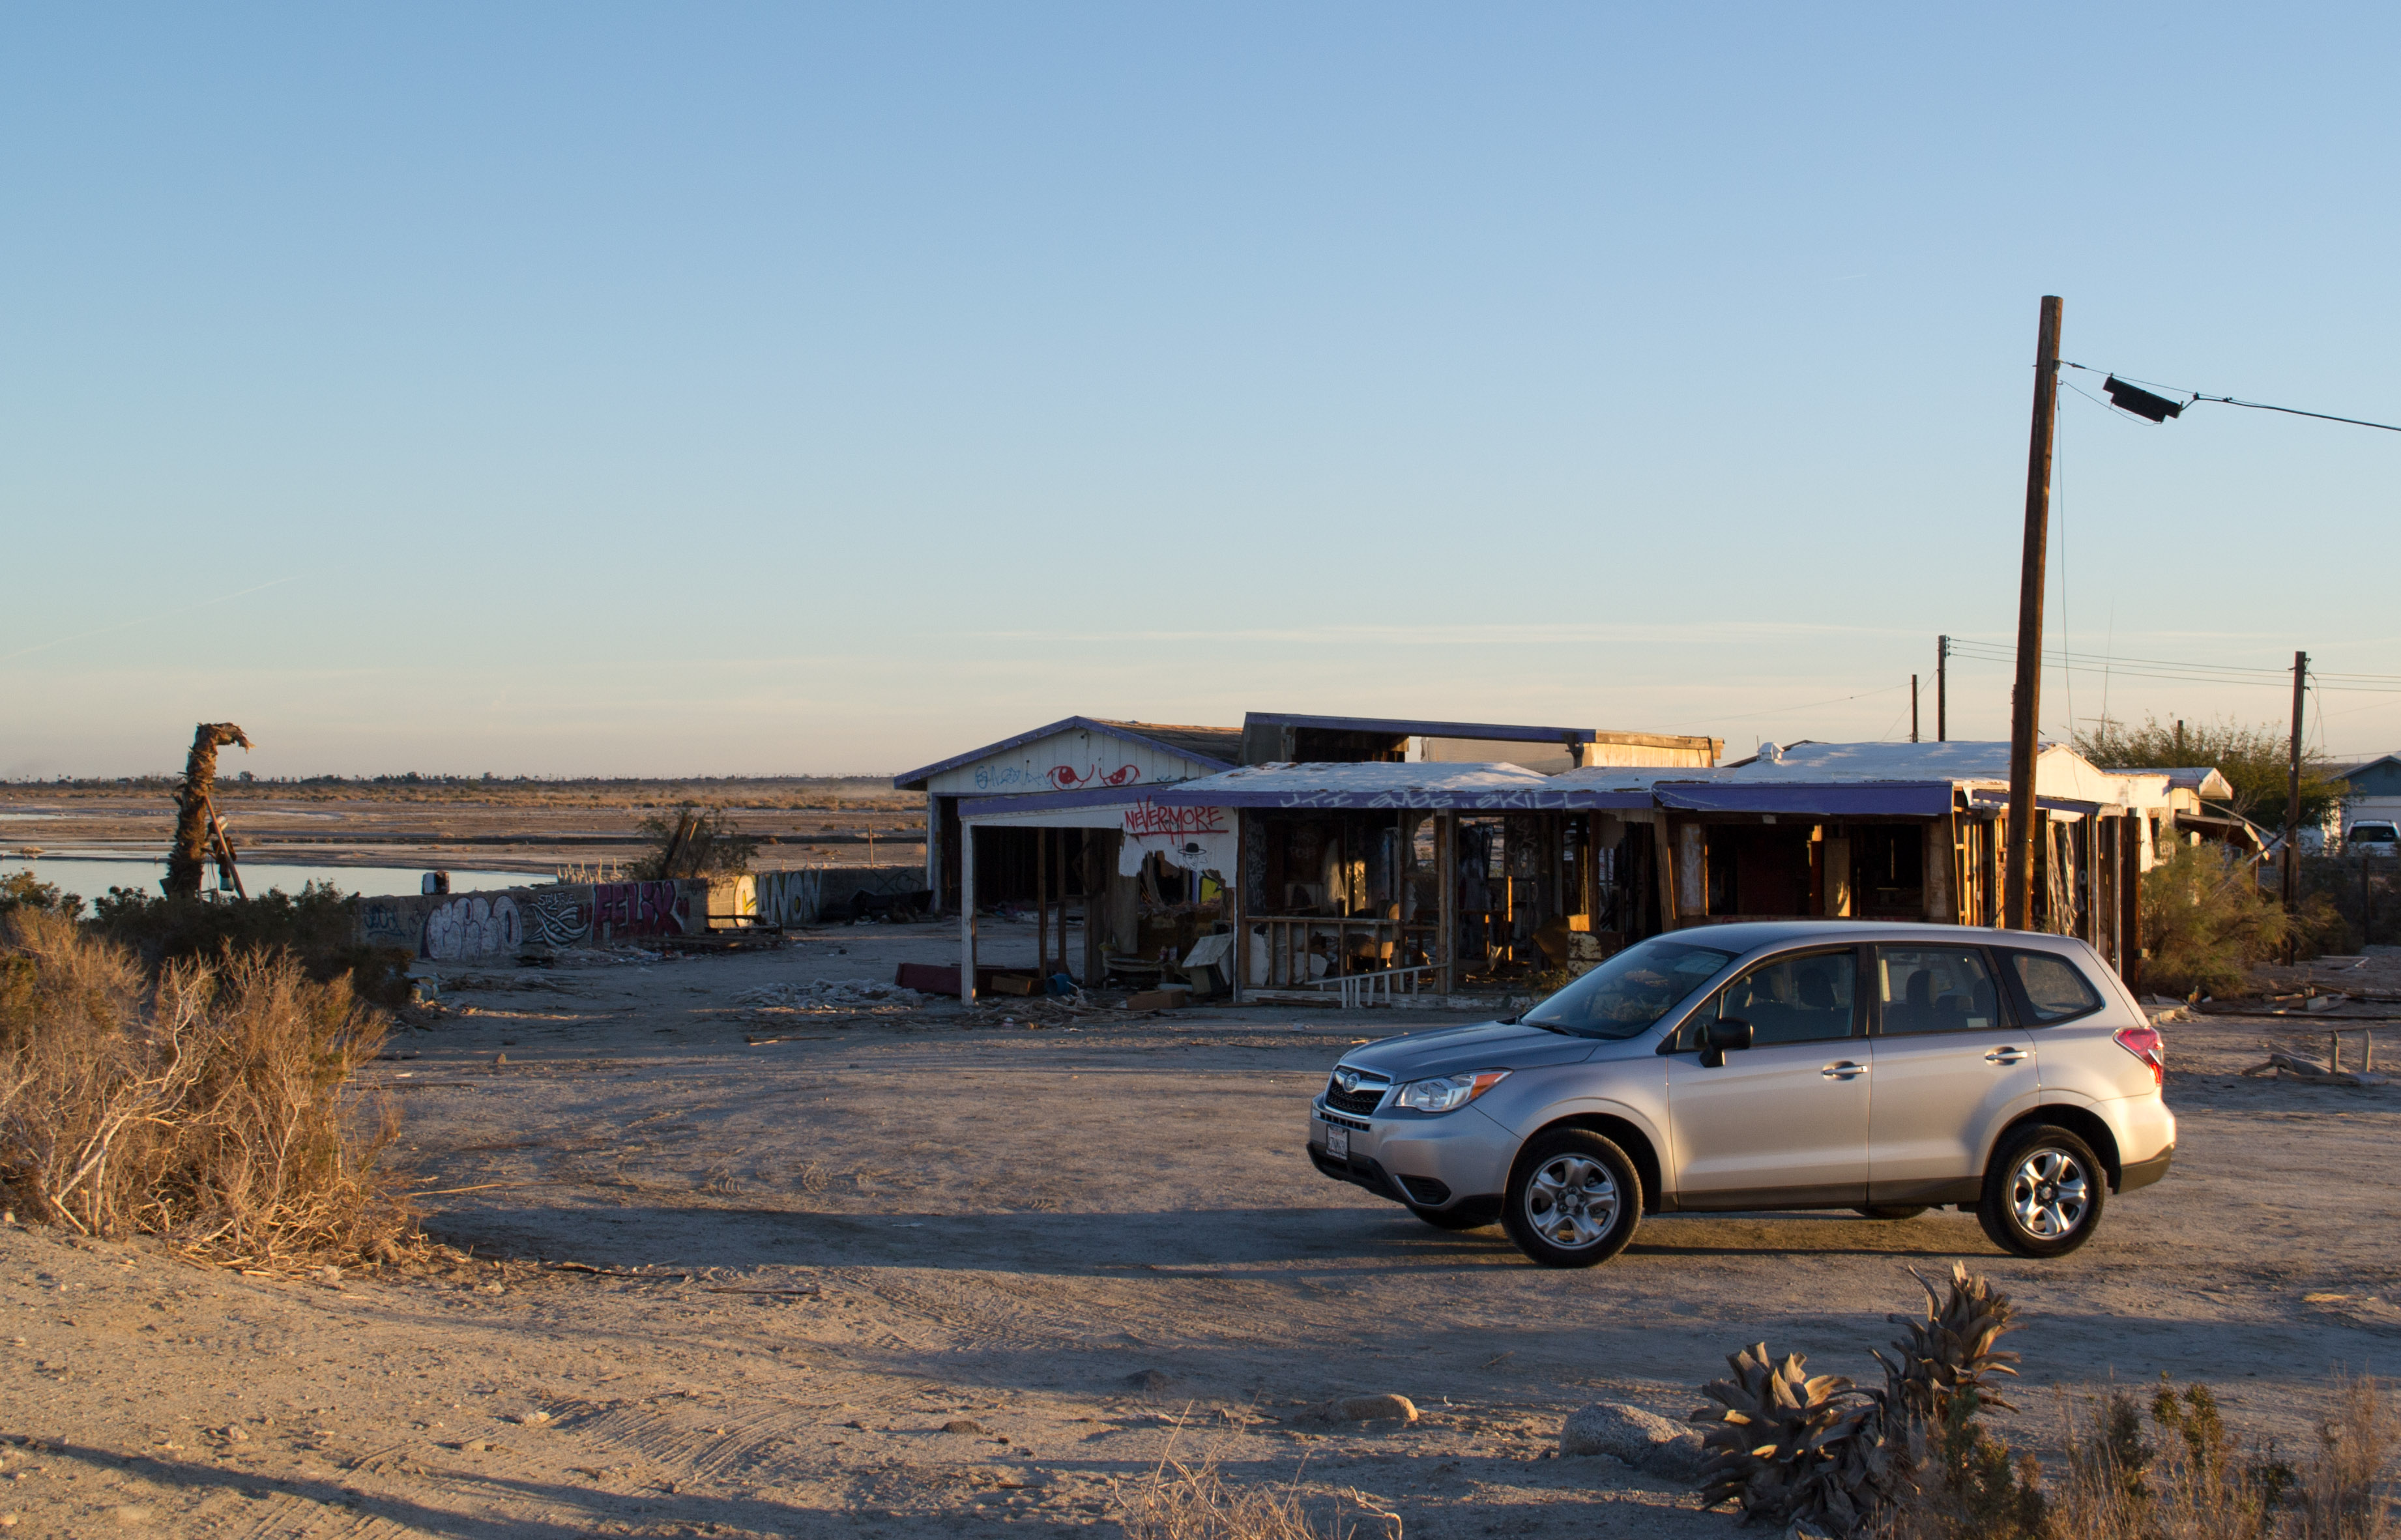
1193,1500
209,1106
2346,1490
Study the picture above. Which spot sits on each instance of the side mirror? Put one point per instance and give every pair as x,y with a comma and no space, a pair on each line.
1726,1035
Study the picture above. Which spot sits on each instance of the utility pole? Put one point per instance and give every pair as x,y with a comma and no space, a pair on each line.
1913,708
1941,689
2292,859
2025,701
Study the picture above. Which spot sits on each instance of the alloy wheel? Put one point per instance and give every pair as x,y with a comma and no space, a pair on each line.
1572,1201
2050,1194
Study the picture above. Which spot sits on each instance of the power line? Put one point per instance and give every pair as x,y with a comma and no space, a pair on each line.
2185,673
2192,395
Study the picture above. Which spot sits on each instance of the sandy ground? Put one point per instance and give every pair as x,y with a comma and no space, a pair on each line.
734,1289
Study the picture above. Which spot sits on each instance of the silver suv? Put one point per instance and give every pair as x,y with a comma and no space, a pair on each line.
1789,1064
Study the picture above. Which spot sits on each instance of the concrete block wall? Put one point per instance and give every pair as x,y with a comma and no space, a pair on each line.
799,896
501,923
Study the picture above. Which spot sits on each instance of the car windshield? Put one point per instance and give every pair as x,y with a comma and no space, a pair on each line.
1630,992
2381,833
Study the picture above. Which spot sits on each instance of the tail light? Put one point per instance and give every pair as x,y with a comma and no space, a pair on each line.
2144,1043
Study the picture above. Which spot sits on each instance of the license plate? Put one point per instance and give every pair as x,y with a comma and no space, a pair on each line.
1337,1143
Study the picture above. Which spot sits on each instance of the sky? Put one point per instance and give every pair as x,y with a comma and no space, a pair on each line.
738,389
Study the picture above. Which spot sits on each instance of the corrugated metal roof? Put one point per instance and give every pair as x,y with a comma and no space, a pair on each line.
1403,727
1458,786
1218,748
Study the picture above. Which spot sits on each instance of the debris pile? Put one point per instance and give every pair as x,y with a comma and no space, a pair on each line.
601,956
834,997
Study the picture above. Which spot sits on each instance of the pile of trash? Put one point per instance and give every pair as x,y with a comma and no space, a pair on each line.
834,997
598,956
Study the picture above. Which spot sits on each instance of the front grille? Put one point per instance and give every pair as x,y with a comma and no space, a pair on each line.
1359,1103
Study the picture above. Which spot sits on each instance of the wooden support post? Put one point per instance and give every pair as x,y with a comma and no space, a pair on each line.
1662,845
2025,701
967,911
2129,905
1446,862
2292,855
1096,902
1041,904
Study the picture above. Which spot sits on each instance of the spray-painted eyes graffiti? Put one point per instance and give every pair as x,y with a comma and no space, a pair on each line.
1065,778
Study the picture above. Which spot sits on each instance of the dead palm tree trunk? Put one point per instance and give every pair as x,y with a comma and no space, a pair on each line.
193,829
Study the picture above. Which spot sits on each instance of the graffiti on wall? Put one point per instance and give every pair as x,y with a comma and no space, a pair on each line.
474,926
621,909
1199,839
387,922
1059,778
560,917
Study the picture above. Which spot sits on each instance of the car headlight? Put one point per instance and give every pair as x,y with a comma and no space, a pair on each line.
1448,1093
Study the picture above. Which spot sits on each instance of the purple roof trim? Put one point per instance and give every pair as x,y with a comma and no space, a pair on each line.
1528,799
1888,799
1043,802
913,780
1404,728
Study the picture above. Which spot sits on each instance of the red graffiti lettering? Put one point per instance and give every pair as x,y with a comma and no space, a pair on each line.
1146,818
637,909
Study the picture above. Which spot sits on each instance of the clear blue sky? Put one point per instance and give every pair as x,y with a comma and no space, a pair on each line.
733,389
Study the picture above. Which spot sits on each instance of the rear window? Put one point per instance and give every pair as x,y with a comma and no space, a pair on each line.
2049,988
2378,832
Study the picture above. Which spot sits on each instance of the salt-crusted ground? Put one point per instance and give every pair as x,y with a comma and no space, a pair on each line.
794,1263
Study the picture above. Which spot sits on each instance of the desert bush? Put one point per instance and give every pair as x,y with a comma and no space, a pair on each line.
24,890
2205,925
2187,1479
317,929
2345,1493
693,843
1193,1500
209,1105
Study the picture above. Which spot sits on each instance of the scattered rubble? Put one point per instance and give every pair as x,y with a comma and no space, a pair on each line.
835,996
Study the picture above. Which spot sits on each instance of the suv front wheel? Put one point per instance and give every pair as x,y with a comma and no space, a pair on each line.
1573,1201
2043,1193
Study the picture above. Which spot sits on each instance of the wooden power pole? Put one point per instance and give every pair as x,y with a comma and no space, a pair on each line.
1941,689
2025,701
1913,708
2292,857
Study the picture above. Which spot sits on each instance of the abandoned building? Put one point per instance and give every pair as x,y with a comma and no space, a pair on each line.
1077,814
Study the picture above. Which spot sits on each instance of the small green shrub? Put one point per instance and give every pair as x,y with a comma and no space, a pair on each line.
2205,925
24,890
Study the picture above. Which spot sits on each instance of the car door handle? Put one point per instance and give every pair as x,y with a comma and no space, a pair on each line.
2005,1055
1847,1070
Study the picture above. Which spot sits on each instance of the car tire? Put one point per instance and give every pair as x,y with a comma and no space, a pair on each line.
1574,1199
1893,1211
2043,1193
1465,1216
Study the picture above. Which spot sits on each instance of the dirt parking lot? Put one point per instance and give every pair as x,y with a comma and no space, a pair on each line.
905,1274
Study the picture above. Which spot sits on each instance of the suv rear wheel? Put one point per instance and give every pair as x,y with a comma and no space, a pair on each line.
2043,1193
1573,1201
